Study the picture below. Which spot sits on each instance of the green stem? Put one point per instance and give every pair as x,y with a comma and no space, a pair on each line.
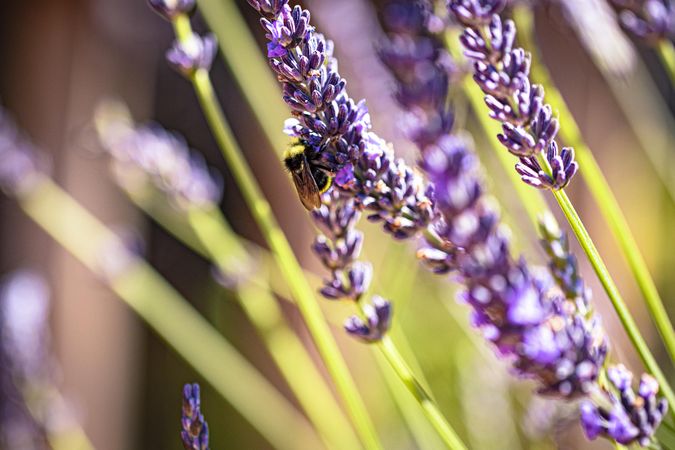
286,349
280,249
613,293
600,190
430,409
171,316
666,52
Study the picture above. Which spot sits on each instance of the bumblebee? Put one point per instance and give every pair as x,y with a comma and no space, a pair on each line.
311,179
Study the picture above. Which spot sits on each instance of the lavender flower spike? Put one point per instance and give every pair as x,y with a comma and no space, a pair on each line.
164,158
628,418
336,127
502,72
195,430
20,164
650,20
518,308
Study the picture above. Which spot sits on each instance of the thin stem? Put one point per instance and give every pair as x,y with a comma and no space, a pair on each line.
446,432
601,191
171,317
666,52
612,291
285,347
249,69
280,249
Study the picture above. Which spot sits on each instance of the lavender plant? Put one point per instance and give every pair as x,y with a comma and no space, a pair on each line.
280,247
513,304
149,152
547,327
528,131
195,430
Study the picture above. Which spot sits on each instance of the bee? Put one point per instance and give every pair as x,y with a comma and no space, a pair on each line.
311,179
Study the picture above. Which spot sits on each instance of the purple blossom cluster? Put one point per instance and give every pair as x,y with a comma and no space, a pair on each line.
520,310
502,72
337,130
335,126
23,357
19,162
195,430
162,157
650,20
339,247
628,417
196,53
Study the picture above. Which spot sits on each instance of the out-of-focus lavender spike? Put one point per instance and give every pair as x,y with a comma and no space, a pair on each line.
195,431
169,9
196,53
20,163
377,323
161,156
649,20
626,416
502,71
25,310
516,307
25,362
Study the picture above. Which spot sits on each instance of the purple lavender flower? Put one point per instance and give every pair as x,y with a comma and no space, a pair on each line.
337,127
169,9
163,157
194,54
624,416
338,248
195,430
502,72
650,20
378,321
517,308
20,165
24,359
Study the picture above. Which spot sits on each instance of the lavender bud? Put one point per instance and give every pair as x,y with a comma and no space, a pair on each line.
502,72
195,430
169,9
195,54
630,418
378,321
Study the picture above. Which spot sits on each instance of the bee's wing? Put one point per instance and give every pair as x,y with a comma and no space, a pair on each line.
307,189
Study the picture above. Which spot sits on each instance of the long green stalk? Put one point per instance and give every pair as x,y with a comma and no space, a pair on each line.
172,318
613,293
599,187
280,249
431,411
286,349
666,52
